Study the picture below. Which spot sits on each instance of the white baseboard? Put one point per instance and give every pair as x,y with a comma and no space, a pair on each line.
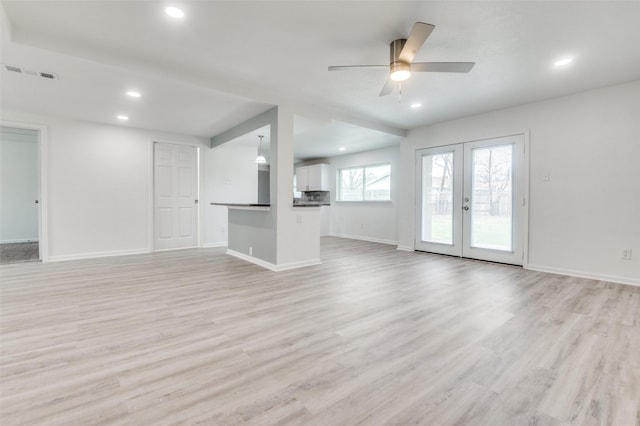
254,260
96,255
271,266
23,240
582,274
370,239
209,245
296,265
405,248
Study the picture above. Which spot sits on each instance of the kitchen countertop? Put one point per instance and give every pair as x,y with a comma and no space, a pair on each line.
247,206
310,204
264,207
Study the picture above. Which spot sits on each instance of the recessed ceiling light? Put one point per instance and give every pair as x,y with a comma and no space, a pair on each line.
342,148
562,62
416,105
123,117
174,12
133,94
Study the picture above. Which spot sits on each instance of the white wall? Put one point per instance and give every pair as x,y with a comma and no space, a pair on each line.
589,143
99,185
230,175
372,221
298,236
19,185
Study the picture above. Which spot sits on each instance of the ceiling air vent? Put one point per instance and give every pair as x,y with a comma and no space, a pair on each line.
32,73
48,75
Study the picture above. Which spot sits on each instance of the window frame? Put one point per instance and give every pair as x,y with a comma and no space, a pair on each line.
363,168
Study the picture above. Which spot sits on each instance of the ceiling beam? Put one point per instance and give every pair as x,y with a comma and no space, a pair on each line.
266,118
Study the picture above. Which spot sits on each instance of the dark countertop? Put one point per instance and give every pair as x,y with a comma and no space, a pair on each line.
268,205
241,205
310,204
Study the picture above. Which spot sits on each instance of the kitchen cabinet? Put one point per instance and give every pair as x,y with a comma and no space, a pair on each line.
312,178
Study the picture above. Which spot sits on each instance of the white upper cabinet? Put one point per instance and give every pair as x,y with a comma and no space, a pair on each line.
312,178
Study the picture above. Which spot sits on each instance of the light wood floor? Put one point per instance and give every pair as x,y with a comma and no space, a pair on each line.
372,336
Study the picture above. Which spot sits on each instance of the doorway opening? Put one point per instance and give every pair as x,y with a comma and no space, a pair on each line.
20,230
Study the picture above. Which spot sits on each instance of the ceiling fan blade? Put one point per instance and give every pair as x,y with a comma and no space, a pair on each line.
417,37
347,67
442,66
387,88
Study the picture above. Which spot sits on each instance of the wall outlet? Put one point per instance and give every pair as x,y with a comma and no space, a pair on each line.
250,251
626,254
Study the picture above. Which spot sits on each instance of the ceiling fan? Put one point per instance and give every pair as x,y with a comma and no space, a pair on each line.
402,52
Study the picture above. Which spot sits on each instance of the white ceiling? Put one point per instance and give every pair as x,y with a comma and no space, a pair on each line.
228,61
315,138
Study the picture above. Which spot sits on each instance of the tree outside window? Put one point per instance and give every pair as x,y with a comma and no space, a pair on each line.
365,183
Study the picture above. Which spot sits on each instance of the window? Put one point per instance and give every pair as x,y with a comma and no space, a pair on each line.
365,183
296,194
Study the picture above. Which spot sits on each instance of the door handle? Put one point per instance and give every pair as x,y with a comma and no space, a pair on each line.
465,208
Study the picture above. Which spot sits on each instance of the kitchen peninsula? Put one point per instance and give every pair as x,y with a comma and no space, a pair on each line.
274,234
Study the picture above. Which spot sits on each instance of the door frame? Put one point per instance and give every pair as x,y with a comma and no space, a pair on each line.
43,199
525,186
152,190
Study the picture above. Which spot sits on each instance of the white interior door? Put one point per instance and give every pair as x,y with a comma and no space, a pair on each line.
471,200
175,196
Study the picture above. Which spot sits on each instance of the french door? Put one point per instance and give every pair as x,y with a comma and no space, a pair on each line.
175,196
471,199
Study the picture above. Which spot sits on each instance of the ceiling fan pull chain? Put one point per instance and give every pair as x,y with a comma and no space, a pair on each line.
399,91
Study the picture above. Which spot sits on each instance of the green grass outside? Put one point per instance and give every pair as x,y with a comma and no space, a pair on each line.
487,231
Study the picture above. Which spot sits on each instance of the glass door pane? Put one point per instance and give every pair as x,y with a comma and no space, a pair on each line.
492,198
439,190
437,196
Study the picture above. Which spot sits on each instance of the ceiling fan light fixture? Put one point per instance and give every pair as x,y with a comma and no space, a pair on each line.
402,52
400,71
